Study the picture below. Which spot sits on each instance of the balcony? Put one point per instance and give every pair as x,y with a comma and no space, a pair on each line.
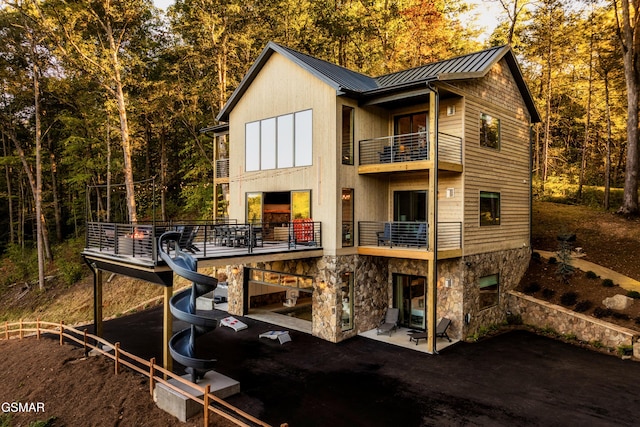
408,152
408,239
206,240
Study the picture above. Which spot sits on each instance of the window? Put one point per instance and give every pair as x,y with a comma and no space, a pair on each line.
301,204
489,131
254,208
346,293
347,217
347,135
279,142
488,286
489,208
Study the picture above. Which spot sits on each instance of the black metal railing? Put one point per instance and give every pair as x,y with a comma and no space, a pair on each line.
204,239
408,234
409,148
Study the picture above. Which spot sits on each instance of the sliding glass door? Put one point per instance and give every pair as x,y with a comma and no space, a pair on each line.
409,295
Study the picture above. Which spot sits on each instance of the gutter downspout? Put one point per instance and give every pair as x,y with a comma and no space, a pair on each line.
432,277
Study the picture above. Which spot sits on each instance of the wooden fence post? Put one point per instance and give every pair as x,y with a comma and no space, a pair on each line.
6,330
20,334
117,354
207,390
152,368
85,342
38,328
61,331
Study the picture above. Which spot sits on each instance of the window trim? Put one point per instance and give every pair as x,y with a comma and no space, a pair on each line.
497,290
481,133
495,222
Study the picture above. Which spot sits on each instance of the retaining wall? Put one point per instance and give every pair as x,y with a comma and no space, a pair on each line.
542,314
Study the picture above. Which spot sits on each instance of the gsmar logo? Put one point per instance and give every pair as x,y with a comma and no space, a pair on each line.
14,407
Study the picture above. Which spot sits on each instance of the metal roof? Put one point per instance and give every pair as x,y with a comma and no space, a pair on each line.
345,81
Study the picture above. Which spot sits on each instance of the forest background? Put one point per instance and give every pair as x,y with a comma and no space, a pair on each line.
107,96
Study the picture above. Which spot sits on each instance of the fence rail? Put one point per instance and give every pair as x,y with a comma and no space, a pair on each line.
149,368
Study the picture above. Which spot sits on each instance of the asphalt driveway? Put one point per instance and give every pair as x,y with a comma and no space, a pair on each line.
515,379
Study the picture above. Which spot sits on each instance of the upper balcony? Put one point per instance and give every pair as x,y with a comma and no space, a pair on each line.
409,152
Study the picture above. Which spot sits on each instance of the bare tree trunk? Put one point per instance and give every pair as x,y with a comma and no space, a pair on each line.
587,126
7,173
38,187
630,46
607,168
56,202
108,207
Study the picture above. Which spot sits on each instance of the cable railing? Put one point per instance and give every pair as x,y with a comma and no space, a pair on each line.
204,239
409,148
408,234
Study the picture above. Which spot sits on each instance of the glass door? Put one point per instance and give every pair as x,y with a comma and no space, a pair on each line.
409,295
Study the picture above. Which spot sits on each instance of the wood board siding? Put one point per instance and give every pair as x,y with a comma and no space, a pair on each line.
282,87
506,170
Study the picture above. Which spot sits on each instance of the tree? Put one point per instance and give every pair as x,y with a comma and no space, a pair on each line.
627,28
99,38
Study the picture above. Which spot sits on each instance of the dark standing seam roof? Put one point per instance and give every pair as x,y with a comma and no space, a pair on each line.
473,65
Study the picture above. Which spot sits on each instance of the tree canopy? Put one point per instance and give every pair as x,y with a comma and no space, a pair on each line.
102,93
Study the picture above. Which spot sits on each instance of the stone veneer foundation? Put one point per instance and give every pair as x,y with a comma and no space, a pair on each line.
457,290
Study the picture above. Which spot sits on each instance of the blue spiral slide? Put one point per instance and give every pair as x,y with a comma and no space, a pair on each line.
182,345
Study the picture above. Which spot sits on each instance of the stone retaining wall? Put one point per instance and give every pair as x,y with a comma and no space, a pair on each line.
543,314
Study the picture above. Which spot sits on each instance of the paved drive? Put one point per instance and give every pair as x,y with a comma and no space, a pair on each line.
515,379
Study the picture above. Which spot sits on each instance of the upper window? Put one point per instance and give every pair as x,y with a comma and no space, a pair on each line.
489,131
489,208
488,291
279,142
347,135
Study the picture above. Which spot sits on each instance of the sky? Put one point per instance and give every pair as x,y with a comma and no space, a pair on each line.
486,13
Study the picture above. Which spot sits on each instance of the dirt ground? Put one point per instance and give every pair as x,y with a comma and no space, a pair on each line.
75,390
606,239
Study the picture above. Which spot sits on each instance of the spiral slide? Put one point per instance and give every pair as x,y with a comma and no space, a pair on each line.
182,345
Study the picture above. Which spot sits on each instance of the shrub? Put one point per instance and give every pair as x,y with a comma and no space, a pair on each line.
583,306
569,298
633,294
591,275
514,319
548,293
625,350
553,260
532,288
608,283
620,316
600,312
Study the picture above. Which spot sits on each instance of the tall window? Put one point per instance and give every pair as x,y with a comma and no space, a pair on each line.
489,208
279,142
489,131
347,135
346,293
347,217
410,123
301,204
489,287
410,205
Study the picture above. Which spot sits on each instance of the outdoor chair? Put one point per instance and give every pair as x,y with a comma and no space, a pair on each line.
188,234
390,322
441,329
384,237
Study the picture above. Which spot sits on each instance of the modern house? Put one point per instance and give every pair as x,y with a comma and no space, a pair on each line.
341,195
419,179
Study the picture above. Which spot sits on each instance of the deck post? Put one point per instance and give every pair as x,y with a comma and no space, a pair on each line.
97,303
167,328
